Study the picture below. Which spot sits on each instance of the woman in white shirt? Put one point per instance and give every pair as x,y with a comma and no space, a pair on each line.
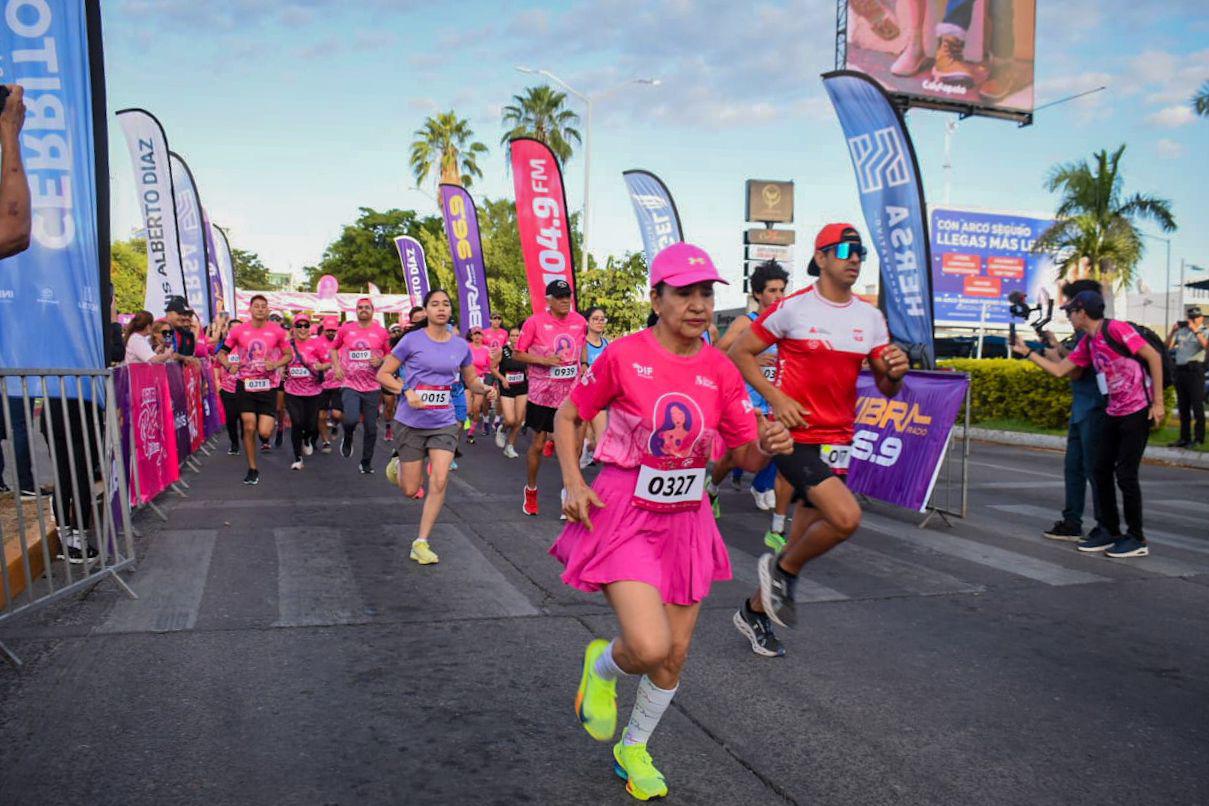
138,341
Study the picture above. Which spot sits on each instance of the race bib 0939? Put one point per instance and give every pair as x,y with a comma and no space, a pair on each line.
564,372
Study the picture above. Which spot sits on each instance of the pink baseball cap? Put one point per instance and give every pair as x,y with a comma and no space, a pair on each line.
683,264
330,323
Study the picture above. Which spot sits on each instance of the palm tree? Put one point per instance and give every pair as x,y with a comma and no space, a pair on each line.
1095,223
540,113
1200,101
444,142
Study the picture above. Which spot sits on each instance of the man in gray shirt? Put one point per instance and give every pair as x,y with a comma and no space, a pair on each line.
1189,339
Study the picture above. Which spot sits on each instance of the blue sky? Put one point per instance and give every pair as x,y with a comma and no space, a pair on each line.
293,114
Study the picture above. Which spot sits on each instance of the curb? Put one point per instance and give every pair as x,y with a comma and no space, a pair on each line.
1155,454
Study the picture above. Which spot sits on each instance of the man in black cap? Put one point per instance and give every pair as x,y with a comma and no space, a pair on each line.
1189,340
1117,352
180,317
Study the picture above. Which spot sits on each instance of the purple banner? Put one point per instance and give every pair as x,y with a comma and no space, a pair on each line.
213,272
900,442
462,229
415,268
180,410
212,410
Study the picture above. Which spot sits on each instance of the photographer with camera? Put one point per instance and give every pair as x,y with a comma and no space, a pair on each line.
1135,399
1082,433
1189,340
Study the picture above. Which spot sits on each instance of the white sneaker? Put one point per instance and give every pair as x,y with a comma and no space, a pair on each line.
510,452
501,439
761,500
307,448
297,465
770,500
585,457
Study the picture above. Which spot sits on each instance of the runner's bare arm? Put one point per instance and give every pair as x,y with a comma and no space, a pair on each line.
1059,369
533,358
773,438
1155,363
387,378
889,369
737,328
580,497
470,378
744,353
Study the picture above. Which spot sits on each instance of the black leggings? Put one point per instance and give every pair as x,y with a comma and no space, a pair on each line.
1122,443
304,420
230,407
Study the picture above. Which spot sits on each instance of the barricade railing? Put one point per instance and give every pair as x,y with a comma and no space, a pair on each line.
65,536
950,496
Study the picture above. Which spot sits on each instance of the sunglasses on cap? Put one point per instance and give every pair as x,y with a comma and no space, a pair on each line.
846,249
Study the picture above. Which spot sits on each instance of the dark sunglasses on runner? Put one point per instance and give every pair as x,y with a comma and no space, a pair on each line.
303,323
846,249
165,333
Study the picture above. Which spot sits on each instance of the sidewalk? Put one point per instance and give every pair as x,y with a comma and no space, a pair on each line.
1154,453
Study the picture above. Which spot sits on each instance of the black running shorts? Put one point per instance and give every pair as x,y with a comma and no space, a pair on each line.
804,469
540,418
258,403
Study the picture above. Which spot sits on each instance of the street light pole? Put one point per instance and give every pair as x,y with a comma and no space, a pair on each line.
587,140
1166,284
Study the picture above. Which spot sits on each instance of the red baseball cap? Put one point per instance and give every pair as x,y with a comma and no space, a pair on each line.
683,264
830,235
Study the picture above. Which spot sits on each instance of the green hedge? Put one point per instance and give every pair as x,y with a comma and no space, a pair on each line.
1003,388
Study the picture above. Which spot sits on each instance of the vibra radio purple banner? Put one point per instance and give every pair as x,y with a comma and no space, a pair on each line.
900,442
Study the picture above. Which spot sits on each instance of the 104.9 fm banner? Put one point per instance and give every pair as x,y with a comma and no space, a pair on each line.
900,442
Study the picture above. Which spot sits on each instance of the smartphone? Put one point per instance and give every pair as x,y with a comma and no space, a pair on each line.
1181,324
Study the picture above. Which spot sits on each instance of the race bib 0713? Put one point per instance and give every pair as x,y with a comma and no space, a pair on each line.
257,384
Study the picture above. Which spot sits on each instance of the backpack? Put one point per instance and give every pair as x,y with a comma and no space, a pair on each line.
1154,341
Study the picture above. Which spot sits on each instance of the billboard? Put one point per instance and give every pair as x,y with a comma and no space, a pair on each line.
971,56
769,202
978,258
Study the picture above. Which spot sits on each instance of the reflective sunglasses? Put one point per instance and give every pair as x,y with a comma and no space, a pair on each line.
846,249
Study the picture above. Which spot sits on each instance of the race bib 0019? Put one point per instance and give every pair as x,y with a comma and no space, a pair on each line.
836,457
514,377
359,355
257,385
564,372
299,372
435,397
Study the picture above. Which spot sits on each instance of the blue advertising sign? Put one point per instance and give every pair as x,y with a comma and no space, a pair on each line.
887,177
50,295
979,258
658,219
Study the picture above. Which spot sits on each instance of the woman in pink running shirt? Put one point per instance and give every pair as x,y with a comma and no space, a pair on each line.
644,532
480,354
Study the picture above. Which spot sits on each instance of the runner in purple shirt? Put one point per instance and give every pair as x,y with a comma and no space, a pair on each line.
432,358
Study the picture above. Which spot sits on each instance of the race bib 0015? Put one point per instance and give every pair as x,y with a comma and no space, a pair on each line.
359,355
564,372
435,397
257,385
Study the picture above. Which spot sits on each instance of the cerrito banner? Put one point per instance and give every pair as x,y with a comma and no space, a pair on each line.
148,148
192,233
900,442
541,218
462,229
51,295
415,268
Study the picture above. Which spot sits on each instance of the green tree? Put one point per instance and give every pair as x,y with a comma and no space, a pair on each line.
250,271
620,287
128,273
1200,101
445,142
541,113
365,251
1095,220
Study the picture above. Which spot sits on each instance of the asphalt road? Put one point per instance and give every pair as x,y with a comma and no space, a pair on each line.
285,651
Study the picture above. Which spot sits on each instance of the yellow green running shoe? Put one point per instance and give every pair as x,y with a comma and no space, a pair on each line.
596,700
774,540
421,553
633,764
715,505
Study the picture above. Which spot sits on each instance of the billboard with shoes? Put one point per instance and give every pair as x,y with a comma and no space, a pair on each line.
970,55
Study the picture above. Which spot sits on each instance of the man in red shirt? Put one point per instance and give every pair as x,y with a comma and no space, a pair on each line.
823,335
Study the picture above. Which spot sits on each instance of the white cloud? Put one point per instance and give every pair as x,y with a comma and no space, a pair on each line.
1170,117
1169,149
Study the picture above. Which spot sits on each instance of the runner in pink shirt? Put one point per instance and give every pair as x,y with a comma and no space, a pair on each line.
303,388
480,354
331,404
550,343
644,532
227,384
357,353
264,348
496,336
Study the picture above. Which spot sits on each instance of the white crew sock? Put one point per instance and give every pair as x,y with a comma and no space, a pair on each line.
710,486
778,523
649,706
606,667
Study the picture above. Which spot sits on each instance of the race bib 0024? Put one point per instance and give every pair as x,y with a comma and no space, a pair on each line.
564,372
299,372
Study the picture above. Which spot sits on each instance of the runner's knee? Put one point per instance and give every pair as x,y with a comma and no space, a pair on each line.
649,651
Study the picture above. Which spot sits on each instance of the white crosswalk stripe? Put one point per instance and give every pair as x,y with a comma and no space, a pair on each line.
315,584
1163,538
171,581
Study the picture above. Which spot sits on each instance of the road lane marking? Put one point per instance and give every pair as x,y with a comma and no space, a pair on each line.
1157,535
171,581
315,584
743,566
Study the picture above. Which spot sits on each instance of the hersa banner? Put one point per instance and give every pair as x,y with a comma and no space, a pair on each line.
541,219
900,442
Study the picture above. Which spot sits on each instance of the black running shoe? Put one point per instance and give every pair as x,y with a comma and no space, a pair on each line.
253,477
776,591
280,438
76,557
366,469
264,446
233,450
346,446
757,629
1065,530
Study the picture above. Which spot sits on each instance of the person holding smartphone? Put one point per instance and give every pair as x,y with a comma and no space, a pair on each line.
1135,400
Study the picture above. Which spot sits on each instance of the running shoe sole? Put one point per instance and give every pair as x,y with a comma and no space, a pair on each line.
765,572
1142,551
620,772
1065,538
1094,549
745,629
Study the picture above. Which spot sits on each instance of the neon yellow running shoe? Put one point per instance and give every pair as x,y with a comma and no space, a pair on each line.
715,505
466,425
633,764
774,540
596,700
421,553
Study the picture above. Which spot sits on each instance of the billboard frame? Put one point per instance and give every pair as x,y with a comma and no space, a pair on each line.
904,101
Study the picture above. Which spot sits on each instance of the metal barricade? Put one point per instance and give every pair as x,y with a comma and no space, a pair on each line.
63,537
951,493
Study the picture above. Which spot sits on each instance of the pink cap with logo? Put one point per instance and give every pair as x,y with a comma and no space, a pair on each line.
683,264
